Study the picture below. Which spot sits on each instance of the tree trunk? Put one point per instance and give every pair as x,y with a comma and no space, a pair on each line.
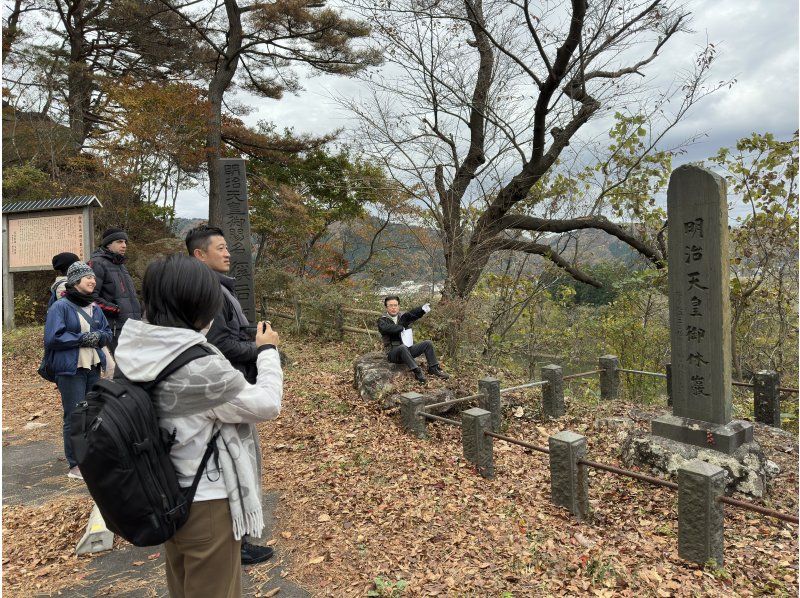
226,69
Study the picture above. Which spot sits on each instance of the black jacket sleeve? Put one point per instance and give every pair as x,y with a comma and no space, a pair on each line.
386,326
110,309
223,337
412,315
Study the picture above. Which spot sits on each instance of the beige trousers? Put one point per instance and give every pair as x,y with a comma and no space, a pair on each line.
203,559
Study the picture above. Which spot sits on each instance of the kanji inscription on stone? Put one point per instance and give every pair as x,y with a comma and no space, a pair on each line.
699,309
236,226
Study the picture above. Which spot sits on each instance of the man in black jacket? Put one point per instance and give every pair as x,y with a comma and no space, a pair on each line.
398,340
230,331
115,290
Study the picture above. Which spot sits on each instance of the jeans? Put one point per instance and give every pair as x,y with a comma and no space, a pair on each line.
406,355
73,389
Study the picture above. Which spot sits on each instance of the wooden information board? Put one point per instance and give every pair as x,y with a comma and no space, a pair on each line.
34,239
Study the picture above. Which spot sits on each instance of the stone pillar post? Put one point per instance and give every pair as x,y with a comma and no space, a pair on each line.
478,446
553,391
569,482
609,377
700,515
668,370
491,401
411,403
338,317
766,398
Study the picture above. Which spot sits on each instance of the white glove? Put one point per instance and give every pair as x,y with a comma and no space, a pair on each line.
426,308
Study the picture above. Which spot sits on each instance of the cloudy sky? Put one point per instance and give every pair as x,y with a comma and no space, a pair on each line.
757,44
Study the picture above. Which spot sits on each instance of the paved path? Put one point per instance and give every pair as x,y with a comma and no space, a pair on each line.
33,475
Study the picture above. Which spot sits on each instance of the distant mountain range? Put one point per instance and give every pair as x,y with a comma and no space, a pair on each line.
411,253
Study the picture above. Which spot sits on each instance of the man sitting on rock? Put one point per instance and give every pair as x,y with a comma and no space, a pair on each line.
398,339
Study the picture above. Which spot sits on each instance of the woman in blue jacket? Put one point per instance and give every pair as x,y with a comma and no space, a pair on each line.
74,333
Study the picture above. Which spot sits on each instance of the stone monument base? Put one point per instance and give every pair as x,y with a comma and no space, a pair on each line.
747,470
726,438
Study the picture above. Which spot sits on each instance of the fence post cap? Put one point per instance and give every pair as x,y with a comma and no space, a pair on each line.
475,412
489,380
567,436
703,468
551,367
766,373
412,396
608,357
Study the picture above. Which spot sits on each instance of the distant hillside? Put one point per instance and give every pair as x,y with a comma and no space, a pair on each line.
181,226
409,253
408,258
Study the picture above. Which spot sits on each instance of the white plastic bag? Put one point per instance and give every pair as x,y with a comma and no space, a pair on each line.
407,336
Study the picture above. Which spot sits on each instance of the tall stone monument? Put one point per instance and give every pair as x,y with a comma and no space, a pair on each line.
236,227
699,314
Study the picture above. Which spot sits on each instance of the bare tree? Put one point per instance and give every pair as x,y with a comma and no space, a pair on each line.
482,99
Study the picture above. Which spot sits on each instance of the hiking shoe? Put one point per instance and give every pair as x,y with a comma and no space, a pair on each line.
253,554
437,371
419,375
75,474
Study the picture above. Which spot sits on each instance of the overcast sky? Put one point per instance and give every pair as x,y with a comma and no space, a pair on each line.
757,45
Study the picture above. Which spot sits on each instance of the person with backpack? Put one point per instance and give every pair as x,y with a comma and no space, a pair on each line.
204,397
61,263
230,331
74,333
116,291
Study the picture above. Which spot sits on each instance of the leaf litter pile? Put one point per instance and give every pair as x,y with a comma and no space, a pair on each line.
367,510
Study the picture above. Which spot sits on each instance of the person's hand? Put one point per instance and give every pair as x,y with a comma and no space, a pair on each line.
426,308
265,335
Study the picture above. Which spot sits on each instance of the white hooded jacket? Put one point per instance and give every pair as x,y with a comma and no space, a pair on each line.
144,350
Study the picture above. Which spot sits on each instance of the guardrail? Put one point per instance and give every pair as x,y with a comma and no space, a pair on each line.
700,485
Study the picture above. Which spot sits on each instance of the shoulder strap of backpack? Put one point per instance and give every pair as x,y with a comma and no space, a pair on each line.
80,312
211,448
189,355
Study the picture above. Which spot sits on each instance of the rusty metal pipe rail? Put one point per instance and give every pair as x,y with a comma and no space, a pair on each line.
582,374
438,418
748,506
510,440
521,386
627,473
654,374
451,402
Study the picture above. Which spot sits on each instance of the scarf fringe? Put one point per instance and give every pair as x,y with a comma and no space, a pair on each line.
250,524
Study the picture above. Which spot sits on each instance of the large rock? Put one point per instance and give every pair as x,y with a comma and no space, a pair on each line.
747,470
375,379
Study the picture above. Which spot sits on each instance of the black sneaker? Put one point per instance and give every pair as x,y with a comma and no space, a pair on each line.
419,375
253,554
437,371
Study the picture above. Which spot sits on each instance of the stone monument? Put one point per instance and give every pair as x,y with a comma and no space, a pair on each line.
236,227
699,315
700,425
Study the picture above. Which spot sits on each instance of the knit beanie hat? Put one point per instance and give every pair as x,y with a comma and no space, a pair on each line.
77,271
64,260
113,234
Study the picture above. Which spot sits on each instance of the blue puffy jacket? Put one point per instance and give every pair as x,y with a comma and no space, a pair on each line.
62,335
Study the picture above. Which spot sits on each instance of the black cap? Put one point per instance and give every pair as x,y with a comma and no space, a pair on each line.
63,261
113,234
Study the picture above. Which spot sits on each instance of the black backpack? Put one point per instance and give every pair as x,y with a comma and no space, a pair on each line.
123,455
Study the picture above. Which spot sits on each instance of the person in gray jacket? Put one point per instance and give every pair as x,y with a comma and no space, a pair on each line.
116,292
181,296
